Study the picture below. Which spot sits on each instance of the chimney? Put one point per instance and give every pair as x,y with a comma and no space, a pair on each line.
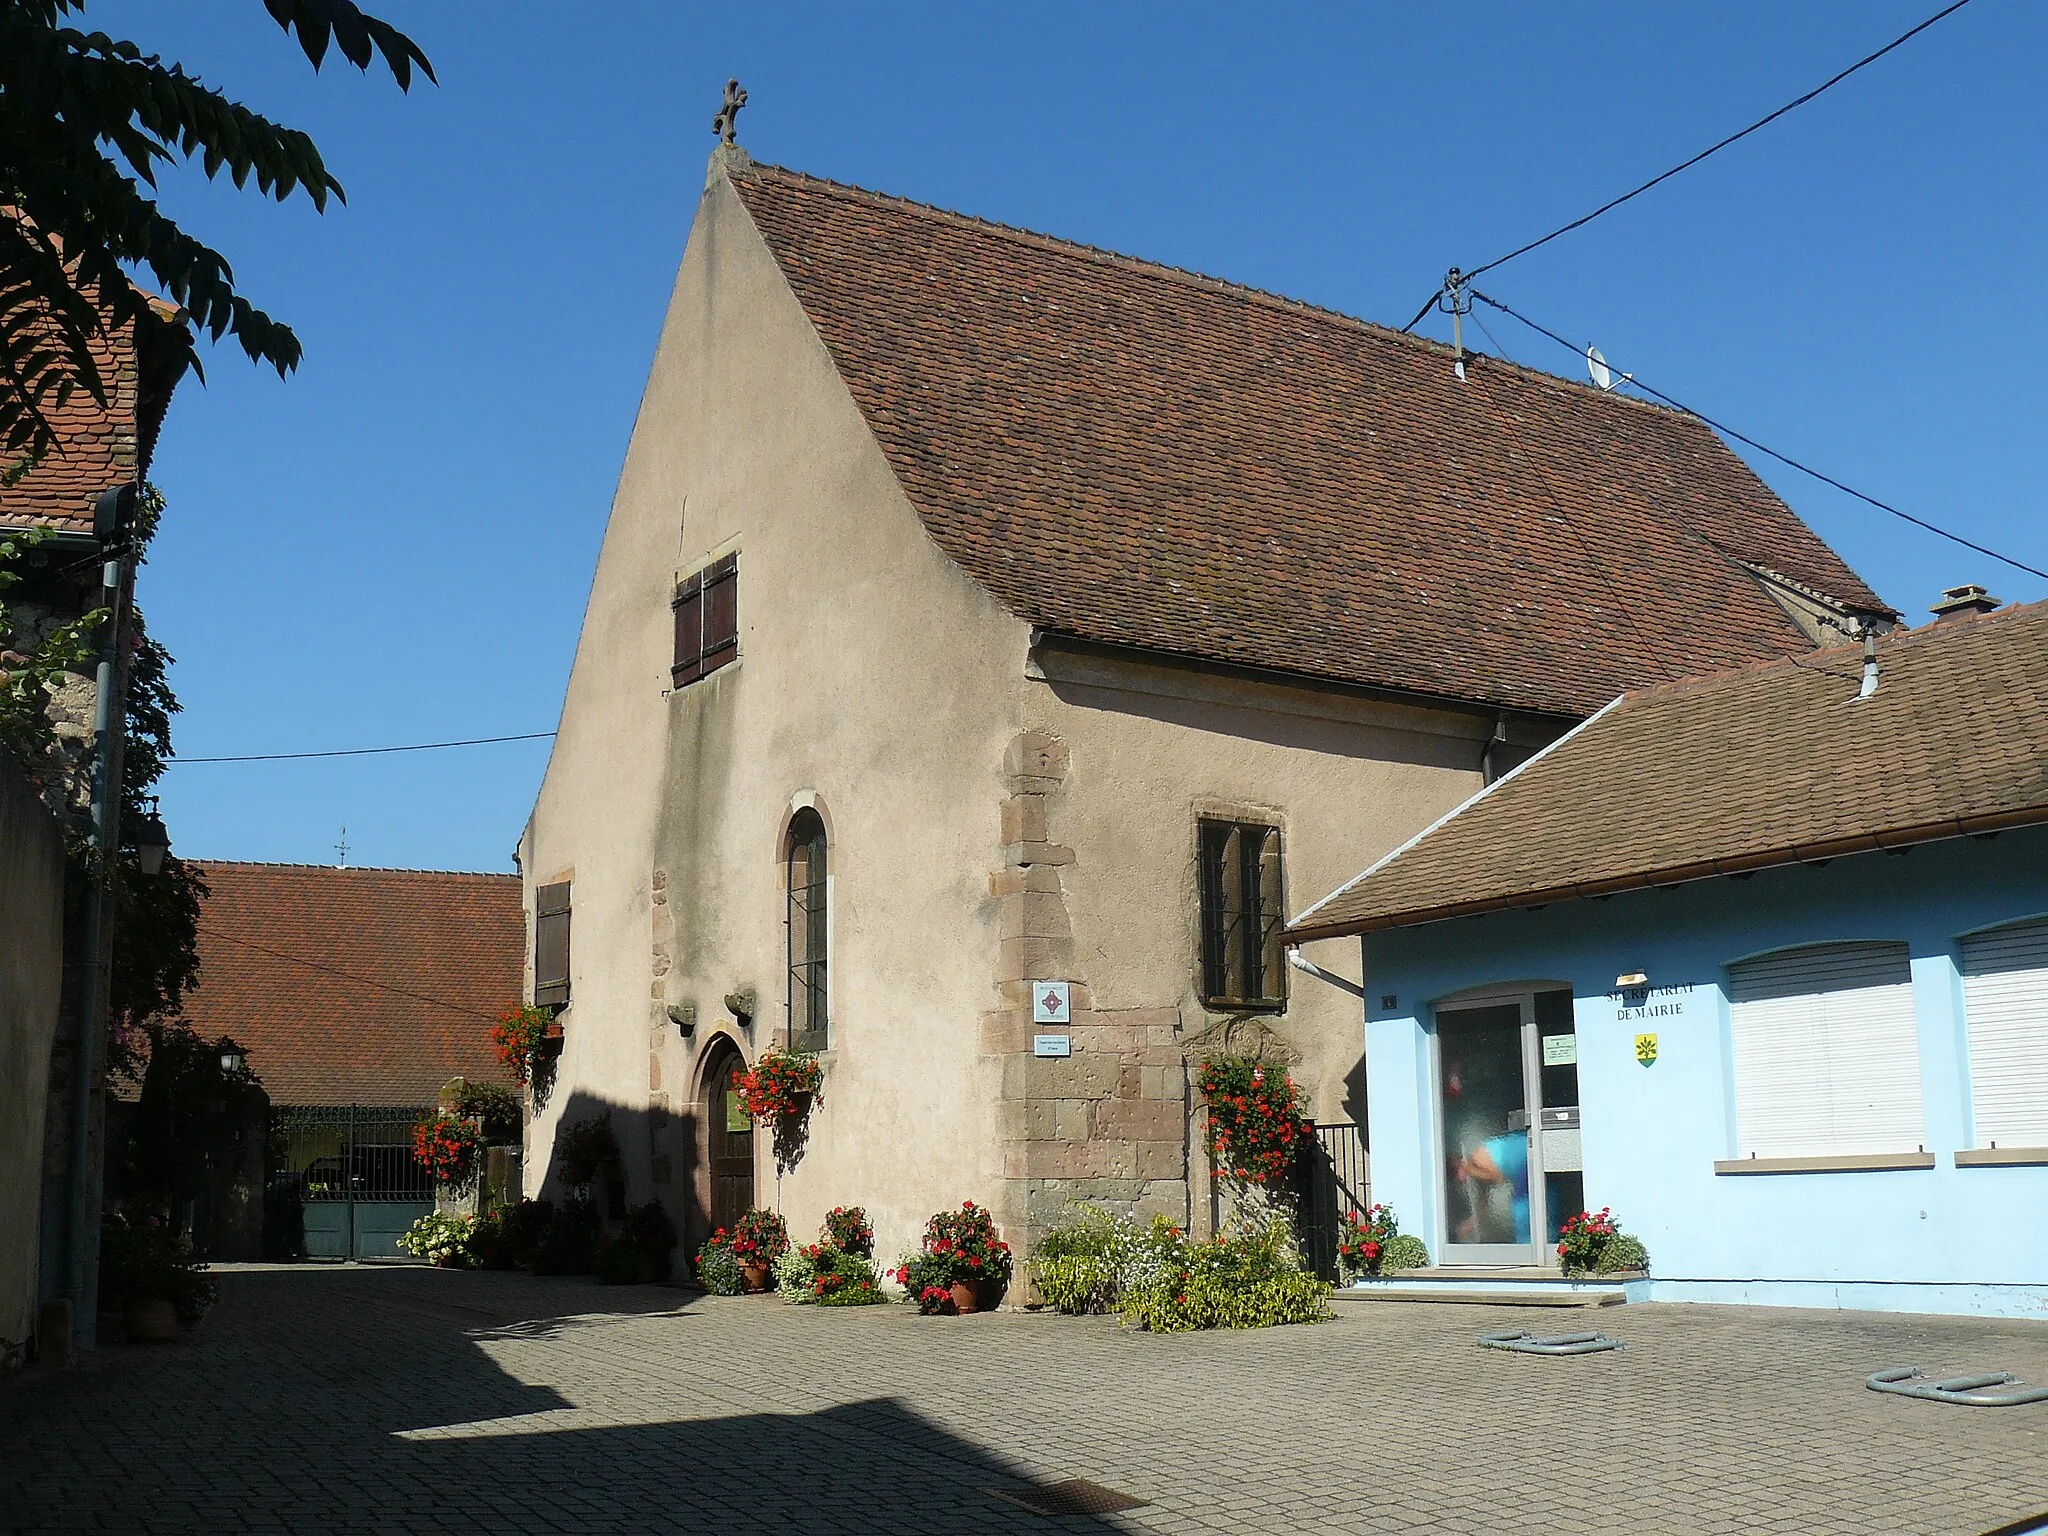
1964,602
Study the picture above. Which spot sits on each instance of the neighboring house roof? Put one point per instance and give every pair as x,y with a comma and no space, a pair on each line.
1136,455
97,448
1775,764
357,986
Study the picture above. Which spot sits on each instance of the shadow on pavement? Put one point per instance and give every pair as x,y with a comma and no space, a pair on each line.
367,1403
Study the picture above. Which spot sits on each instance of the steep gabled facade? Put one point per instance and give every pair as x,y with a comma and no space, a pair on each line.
977,610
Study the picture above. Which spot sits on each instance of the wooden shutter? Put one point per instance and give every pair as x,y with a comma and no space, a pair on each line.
689,608
551,945
721,612
1827,1052
2005,999
1270,958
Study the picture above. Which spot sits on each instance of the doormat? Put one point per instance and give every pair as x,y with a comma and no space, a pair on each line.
1074,1496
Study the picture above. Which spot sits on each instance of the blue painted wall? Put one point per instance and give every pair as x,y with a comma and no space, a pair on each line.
1942,1239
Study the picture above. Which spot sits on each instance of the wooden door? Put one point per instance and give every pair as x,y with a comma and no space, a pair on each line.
731,1135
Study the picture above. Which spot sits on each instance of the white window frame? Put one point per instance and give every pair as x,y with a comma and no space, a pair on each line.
2005,1006
1826,1052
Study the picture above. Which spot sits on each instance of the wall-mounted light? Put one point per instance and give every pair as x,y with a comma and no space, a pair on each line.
152,841
232,1058
1632,979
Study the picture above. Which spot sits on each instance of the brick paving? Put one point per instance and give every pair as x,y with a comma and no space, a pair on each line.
408,1400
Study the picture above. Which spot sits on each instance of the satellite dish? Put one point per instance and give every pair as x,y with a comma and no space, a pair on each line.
1596,365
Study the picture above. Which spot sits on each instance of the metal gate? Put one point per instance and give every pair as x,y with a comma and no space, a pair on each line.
1332,1181
350,1171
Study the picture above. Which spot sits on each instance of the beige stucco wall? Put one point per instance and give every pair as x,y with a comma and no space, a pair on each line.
874,680
31,977
997,811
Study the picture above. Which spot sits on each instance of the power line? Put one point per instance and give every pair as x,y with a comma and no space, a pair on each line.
424,746
1783,458
1713,149
328,970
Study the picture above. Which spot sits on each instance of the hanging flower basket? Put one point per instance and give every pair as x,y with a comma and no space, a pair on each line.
1254,1119
782,1085
448,1147
519,1035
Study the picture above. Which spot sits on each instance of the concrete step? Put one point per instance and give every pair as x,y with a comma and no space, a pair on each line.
1517,1296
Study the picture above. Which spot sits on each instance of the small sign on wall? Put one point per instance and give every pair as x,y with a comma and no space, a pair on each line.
1052,1002
1560,1050
1052,1045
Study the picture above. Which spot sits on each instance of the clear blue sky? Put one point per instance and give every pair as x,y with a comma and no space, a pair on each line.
396,544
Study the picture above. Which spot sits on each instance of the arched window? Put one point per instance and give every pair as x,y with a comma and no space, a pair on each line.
808,1021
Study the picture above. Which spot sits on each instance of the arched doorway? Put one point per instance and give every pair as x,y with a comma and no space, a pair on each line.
729,1137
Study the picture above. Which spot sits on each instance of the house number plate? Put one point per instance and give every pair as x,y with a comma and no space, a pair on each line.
1052,1045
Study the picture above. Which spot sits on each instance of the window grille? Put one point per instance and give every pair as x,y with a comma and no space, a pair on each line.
808,1019
1242,912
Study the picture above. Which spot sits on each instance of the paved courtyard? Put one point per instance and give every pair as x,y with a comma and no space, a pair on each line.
410,1400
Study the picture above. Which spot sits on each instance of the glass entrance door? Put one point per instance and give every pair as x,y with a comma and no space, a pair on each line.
1486,1072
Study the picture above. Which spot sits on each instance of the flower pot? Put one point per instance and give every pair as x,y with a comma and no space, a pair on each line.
150,1320
966,1296
447,1261
755,1276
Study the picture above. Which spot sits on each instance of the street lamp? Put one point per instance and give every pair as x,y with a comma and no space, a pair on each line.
232,1058
152,841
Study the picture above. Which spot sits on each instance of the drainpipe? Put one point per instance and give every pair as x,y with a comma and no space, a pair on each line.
1302,963
83,1191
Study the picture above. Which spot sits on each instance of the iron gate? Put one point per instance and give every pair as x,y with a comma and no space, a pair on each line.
1331,1182
349,1170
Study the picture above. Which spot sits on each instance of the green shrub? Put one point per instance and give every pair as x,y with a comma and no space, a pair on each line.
842,1279
142,1259
1078,1284
1623,1251
794,1272
718,1270
1404,1251
438,1238
569,1246
1088,1262
1252,1277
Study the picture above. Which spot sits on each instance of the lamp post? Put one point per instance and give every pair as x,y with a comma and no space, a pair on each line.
113,522
152,841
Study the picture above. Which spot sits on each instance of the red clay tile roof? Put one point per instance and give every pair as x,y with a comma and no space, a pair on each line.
358,986
1137,455
97,449
1775,764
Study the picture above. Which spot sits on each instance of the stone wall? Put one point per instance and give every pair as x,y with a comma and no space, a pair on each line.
31,976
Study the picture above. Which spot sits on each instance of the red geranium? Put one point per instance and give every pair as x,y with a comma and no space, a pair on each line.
447,1147
1254,1120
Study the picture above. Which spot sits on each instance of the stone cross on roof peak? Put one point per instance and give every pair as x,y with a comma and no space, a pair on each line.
726,124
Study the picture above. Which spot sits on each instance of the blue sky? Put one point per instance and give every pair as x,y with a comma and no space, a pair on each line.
396,544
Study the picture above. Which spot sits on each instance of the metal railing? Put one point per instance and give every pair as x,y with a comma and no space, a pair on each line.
1332,1180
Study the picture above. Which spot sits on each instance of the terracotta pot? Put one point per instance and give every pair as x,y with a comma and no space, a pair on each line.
966,1296
150,1320
755,1277
448,1261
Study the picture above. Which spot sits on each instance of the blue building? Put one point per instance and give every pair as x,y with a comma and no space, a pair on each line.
1760,961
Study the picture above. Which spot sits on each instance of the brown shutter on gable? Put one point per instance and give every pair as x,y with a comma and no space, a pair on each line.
551,945
721,612
689,607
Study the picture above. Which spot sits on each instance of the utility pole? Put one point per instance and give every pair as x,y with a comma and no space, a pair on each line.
113,520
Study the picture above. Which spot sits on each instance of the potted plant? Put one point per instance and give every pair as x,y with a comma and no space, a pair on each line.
758,1239
151,1276
782,1085
586,1148
846,1228
639,1255
1371,1244
448,1146
718,1271
442,1240
1254,1120
518,1036
1594,1244
962,1267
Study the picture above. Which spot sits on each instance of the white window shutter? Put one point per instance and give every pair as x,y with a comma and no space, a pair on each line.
2005,998
1827,1052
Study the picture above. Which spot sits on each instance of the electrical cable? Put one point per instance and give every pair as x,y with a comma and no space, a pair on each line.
1713,149
1785,459
1649,652
369,981
424,746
